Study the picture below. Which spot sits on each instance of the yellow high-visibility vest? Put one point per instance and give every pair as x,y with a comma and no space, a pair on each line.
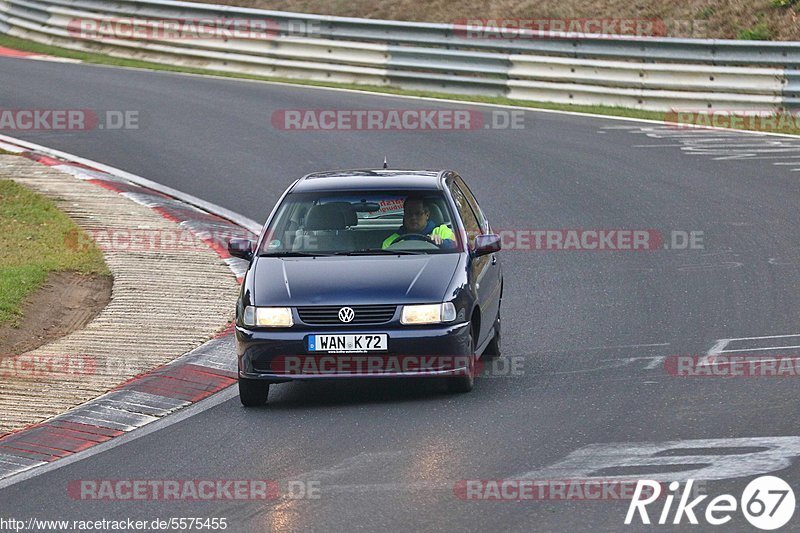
442,231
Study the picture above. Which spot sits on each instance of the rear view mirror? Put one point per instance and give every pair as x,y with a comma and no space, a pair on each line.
366,207
241,248
486,244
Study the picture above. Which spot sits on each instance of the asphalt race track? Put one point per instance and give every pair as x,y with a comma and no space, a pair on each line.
589,330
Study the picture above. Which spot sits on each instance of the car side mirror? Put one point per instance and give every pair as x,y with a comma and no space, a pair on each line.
486,244
241,248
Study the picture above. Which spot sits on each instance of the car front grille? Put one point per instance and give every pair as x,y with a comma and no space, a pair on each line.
329,315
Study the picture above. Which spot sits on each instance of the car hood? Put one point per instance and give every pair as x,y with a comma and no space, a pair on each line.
352,280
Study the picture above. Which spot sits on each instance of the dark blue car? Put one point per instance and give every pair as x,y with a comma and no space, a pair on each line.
369,273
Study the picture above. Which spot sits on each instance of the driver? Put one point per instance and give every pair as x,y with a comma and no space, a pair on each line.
416,221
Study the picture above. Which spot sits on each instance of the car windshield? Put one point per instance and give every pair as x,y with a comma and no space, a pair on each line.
362,223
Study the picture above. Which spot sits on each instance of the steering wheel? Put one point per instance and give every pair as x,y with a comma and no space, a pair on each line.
406,236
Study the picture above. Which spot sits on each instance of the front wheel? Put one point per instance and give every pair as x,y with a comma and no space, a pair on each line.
493,349
253,393
462,384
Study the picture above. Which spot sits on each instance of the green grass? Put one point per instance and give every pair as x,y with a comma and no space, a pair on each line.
759,32
706,13
3,152
34,242
100,59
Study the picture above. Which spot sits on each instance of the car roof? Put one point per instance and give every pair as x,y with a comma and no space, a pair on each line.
371,179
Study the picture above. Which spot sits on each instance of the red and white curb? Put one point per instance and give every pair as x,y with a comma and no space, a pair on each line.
155,394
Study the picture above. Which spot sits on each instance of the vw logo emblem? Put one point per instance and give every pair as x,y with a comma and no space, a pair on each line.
346,314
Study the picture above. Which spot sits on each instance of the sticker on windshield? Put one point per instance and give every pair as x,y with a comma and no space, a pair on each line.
393,205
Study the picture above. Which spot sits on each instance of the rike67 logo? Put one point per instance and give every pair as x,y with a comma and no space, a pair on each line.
767,503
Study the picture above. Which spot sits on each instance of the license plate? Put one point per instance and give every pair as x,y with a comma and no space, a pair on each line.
348,343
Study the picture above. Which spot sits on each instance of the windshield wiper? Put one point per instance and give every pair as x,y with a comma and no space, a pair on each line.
295,254
378,251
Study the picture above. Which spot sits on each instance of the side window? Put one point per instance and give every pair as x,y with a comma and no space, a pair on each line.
473,203
467,215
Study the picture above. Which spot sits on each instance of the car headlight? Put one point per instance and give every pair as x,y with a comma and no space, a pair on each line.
428,314
270,317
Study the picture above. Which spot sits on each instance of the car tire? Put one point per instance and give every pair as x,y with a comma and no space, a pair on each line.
463,384
253,393
493,350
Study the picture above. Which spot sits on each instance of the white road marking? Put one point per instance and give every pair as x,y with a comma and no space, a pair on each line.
761,349
765,337
10,148
778,262
704,268
613,363
655,361
708,359
54,59
773,454
363,461
613,347
724,145
721,345
776,157
770,360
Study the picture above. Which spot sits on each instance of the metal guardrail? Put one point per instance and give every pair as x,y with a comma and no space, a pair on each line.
635,72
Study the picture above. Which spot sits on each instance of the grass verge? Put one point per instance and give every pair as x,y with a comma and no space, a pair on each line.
33,243
100,59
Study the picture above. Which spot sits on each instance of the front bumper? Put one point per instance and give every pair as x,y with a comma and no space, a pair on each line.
281,355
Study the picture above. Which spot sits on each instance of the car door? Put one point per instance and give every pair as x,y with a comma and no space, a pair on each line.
483,270
495,273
